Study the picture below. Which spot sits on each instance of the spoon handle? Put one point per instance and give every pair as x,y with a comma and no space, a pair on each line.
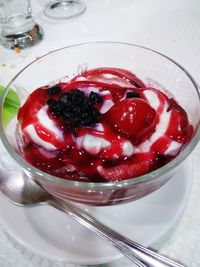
138,254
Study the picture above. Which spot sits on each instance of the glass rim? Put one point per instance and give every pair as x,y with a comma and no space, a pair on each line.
100,185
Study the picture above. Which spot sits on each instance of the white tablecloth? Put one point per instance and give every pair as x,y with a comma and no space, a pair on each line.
171,27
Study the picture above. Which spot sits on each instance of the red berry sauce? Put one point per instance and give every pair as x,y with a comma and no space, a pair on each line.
103,125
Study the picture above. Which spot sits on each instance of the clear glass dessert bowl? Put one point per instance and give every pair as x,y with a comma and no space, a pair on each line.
153,69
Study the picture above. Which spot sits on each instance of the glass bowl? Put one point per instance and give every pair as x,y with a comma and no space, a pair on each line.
151,67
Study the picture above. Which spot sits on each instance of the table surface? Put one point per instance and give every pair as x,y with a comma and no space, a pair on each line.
171,27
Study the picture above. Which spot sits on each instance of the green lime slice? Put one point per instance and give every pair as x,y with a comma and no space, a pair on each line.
11,105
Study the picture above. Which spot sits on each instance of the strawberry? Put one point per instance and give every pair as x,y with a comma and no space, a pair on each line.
141,163
113,76
178,125
124,171
133,117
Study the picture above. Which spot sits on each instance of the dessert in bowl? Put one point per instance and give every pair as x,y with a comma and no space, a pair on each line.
103,123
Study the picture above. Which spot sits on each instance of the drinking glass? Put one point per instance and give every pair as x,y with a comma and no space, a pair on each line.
64,9
18,28
154,68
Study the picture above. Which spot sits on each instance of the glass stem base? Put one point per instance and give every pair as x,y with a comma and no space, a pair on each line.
64,9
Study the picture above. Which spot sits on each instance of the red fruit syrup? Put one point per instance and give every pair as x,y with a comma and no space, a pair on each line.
103,125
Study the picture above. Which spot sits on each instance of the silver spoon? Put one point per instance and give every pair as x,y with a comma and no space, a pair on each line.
19,189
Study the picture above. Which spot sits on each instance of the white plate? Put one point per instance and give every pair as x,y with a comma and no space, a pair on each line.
56,236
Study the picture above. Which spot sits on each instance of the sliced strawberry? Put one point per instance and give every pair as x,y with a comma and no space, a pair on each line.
178,125
157,98
124,171
91,84
112,75
141,163
133,117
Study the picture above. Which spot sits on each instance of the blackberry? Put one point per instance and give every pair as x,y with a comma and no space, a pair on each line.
86,119
132,94
60,106
86,106
76,108
96,114
66,115
54,90
95,98
53,106
65,98
51,102
77,94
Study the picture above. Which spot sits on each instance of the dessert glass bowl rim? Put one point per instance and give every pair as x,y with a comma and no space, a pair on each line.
107,185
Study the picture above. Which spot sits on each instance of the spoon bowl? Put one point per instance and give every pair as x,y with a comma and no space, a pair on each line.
21,190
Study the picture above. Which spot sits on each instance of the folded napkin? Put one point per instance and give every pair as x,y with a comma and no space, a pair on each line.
11,105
